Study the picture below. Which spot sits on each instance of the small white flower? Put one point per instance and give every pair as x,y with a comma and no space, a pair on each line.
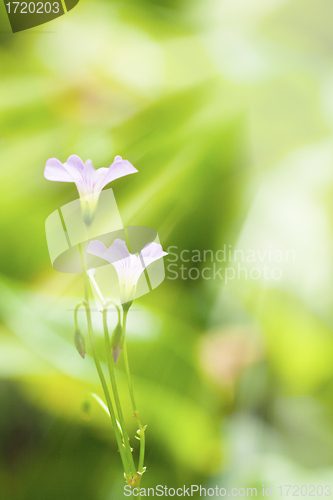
129,267
88,180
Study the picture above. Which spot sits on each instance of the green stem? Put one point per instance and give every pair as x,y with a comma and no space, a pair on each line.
100,371
115,391
134,407
76,310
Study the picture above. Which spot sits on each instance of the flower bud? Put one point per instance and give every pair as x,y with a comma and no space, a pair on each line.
116,341
80,343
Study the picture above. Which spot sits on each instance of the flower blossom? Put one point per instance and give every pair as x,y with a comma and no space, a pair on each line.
88,180
129,267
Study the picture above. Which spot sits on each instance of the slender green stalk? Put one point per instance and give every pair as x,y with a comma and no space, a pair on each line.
115,391
123,456
76,310
134,407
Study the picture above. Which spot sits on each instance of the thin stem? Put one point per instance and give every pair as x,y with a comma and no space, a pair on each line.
109,303
100,371
76,310
105,408
115,391
98,291
134,407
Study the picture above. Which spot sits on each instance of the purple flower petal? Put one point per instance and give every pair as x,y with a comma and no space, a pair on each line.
118,255
152,252
97,248
119,168
76,162
55,171
88,180
80,174
117,251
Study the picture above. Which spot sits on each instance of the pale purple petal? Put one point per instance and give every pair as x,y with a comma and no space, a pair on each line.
119,168
135,271
97,248
76,168
117,251
89,167
130,269
76,162
90,176
125,268
116,353
88,180
152,252
55,171
117,254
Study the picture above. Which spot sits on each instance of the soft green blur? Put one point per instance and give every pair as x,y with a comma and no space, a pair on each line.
226,109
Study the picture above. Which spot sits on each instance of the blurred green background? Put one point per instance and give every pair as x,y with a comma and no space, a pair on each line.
226,109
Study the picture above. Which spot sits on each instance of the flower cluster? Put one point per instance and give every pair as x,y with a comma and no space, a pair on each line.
129,267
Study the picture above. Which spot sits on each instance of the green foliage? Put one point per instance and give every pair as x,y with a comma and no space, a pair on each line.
226,111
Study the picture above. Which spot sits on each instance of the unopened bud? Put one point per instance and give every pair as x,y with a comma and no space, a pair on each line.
116,341
80,343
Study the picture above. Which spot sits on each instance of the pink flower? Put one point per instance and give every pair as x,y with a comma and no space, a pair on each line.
129,267
88,180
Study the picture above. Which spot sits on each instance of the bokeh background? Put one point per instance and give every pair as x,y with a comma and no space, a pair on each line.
226,109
